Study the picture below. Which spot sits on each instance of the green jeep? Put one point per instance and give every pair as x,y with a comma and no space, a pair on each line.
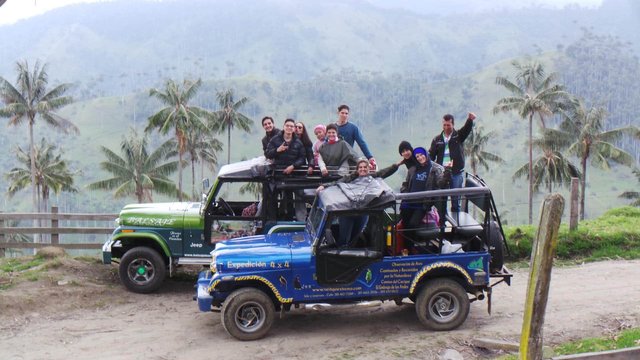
247,198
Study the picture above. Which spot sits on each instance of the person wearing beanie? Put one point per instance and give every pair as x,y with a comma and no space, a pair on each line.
320,131
426,175
406,151
447,149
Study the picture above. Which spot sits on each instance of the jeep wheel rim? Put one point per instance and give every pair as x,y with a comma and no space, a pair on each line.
141,271
443,307
250,317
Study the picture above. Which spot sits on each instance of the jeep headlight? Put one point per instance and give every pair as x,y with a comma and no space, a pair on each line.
212,267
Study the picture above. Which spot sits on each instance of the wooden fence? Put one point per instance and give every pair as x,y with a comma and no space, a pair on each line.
52,226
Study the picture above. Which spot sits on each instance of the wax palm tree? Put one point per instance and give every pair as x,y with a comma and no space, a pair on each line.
52,173
474,150
29,100
202,147
633,195
136,171
550,168
179,116
532,94
229,116
582,133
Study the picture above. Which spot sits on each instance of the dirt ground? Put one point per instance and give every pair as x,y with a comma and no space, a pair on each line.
79,310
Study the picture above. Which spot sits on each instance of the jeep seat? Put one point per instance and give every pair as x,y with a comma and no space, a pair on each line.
464,224
427,232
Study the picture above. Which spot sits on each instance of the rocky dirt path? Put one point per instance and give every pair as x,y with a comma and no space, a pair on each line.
585,300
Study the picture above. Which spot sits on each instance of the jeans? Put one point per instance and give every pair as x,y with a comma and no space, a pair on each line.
350,227
456,183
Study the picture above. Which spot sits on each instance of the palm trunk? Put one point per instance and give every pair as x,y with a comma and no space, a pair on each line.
180,175
530,168
34,190
228,144
139,193
193,180
583,185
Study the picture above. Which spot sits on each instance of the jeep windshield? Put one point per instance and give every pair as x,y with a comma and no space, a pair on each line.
314,220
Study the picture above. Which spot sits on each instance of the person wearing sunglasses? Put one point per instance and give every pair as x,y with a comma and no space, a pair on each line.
301,133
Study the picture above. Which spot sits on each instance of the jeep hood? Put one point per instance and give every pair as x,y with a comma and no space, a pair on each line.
259,252
158,214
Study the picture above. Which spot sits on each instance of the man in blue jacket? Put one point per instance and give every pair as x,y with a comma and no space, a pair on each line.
447,149
350,133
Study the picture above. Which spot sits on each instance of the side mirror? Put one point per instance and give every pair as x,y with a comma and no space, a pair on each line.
205,185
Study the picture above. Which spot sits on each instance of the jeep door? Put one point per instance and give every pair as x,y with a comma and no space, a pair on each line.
235,211
351,242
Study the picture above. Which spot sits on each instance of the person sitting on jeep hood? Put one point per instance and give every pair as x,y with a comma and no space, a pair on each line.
352,225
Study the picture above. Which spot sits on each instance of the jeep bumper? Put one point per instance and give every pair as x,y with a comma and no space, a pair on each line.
203,297
106,251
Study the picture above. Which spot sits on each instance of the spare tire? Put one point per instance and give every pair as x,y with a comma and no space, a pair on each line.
496,247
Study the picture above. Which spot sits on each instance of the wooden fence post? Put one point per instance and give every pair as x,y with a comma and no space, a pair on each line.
1,236
542,254
573,216
55,238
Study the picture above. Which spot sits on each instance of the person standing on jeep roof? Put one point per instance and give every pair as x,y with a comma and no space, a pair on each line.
285,149
350,133
270,131
447,149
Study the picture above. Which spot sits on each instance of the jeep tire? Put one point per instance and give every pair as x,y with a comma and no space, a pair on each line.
496,248
247,314
142,270
442,304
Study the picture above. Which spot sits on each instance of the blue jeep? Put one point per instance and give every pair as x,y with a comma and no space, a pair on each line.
354,248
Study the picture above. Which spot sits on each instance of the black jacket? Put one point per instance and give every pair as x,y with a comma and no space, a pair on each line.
456,147
438,178
267,138
294,155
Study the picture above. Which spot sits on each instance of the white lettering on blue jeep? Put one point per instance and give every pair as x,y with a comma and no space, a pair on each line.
195,245
246,264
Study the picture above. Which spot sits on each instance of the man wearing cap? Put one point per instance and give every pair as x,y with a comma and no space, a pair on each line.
447,149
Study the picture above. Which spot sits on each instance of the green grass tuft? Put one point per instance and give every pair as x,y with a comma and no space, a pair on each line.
614,235
625,339
19,264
